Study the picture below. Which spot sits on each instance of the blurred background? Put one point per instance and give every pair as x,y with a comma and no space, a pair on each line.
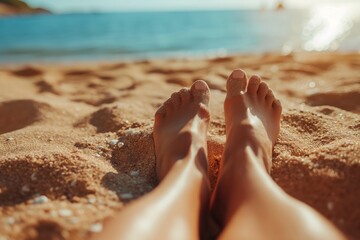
63,30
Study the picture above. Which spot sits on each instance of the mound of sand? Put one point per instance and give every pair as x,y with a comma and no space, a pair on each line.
76,142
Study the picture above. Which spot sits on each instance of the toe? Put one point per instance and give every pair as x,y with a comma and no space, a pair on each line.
175,98
262,90
185,96
253,84
161,112
200,92
277,106
270,97
236,83
168,105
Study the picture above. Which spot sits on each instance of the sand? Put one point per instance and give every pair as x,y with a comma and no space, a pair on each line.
76,144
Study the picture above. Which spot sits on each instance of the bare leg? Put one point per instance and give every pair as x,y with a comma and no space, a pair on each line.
173,210
246,202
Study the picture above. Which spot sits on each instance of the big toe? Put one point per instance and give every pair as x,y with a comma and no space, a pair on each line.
236,83
200,92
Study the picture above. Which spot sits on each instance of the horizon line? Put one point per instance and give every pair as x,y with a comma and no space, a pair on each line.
172,10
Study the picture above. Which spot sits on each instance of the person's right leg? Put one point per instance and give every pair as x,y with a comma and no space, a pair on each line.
178,207
246,202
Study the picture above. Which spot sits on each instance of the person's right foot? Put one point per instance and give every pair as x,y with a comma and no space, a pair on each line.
252,116
180,124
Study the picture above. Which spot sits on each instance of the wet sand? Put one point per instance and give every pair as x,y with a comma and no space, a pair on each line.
76,144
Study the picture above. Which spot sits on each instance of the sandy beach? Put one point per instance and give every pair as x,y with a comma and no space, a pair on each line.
76,139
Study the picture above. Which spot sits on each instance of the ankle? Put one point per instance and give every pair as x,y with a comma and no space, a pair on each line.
194,162
246,153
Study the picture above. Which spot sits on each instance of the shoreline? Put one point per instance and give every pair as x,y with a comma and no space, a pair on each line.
198,57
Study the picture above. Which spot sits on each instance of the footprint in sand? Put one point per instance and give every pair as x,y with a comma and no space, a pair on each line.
112,118
301,69
27,72
18,114
92,88
346,100
79,72
171,71
181,81
98,101
222,60
106,77
88,73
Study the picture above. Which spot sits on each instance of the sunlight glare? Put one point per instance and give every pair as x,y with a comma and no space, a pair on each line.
328,26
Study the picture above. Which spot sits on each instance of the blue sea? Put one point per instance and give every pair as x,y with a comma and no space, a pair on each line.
142,35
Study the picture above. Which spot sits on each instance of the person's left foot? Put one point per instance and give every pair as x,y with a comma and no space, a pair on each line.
180,125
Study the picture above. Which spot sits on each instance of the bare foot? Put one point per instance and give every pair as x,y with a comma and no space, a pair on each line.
252,119
252,116
181,125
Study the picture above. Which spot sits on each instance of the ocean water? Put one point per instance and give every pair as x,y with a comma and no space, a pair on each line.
141,35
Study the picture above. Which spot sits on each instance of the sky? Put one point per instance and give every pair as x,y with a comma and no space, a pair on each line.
149,5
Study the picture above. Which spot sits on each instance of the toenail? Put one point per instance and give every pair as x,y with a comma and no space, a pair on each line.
238,74
200,86
256,76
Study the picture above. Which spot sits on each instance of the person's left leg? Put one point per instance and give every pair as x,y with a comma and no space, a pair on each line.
177,207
